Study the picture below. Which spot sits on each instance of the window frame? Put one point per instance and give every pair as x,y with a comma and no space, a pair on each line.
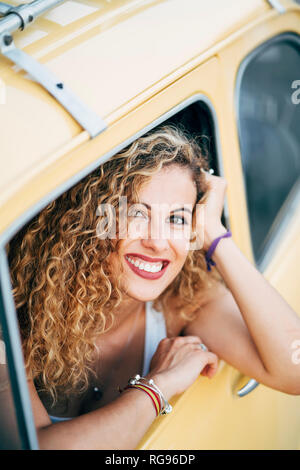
8,315
14,357
289,207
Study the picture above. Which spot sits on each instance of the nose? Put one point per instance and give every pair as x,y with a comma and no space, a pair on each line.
158,237
157,245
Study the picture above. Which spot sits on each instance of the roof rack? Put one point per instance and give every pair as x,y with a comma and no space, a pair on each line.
277,5
4,7
14,18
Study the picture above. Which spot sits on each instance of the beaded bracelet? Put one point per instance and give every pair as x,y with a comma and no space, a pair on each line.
161,405
154,397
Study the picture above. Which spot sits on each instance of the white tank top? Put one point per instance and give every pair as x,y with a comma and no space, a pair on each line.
155,331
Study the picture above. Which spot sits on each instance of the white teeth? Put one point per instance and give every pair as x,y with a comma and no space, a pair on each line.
151,268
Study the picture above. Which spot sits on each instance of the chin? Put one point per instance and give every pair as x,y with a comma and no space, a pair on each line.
143,295
146,290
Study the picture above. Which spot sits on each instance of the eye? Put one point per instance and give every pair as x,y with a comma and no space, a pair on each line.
136,213
178,219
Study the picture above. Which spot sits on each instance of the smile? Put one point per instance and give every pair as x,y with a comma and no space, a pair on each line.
145,268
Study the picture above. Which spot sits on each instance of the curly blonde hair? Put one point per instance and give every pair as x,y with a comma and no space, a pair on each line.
64,294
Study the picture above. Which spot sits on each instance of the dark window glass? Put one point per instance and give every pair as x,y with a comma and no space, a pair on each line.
269,125
9,434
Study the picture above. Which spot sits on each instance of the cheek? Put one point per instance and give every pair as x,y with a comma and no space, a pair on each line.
181,240
181,248
137,229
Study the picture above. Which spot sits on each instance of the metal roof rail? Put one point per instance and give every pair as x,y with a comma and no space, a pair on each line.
14,18
277,5
4,7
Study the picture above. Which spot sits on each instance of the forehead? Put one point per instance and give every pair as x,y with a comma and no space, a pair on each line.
173,185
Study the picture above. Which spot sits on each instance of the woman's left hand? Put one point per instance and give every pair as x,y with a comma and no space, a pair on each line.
208,225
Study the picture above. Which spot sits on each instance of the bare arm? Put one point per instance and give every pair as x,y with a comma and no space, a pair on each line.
224,331
118,425
272,323
122,423
267,327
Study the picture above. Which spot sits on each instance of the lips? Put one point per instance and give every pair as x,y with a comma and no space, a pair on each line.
147,258
146,274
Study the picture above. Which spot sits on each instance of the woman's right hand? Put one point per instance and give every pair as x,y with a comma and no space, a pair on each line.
177,363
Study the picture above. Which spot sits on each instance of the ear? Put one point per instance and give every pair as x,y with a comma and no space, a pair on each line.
193,236
197,234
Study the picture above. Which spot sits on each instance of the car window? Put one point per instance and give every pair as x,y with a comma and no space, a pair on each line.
9,434
17,430
269,116
196,118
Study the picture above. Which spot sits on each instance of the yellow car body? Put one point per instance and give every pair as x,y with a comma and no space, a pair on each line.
133,63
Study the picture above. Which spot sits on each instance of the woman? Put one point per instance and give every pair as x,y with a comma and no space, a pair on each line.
100,301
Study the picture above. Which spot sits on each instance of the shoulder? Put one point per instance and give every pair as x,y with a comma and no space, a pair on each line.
41,417
176,322
213,293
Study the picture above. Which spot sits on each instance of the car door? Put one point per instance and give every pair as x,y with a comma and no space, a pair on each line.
215,403
211,414
269,116
215,414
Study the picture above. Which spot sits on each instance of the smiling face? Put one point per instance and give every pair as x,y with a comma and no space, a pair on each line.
159,228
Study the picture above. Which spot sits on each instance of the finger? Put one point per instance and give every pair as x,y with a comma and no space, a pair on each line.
212,364
176,342
212,358
205,371
179,341
208,172
191,339
208,371
187,350
207,357
209,177
214,180
212,369
208,360
202,347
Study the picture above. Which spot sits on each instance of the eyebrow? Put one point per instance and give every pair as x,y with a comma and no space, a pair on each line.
184,209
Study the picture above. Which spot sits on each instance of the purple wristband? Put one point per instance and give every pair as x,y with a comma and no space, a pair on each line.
209,261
